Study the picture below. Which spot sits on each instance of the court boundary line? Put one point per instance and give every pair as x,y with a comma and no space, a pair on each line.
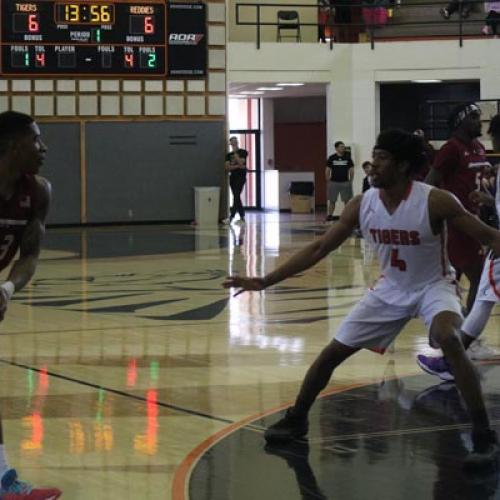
117,392
180,483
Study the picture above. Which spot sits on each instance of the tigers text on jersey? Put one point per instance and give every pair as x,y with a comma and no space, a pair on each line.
409,254
15,215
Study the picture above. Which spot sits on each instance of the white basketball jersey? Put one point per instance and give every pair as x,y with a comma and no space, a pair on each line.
409,254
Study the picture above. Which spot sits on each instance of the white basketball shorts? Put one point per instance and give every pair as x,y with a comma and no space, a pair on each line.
374,322
489,286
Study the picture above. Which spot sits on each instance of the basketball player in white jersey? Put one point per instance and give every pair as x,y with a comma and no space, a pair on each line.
405,221
489,287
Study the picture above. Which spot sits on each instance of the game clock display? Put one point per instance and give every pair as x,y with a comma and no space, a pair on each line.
80,13
46,37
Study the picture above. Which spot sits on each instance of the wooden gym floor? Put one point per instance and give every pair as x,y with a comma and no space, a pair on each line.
129,373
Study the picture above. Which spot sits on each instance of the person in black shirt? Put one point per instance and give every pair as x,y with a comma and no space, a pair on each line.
236,165
339,174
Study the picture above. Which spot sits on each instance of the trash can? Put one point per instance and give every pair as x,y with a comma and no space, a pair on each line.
206,205
302,197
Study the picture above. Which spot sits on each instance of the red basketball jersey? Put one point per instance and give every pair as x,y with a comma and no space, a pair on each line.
15,215
461,166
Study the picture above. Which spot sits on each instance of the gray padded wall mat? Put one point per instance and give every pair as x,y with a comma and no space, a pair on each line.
62,169
145,171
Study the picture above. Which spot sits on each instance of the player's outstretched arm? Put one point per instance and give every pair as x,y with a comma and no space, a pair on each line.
307,256
24,268
444,206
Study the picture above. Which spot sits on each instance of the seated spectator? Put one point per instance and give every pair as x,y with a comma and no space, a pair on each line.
454,6
367,181
375,13
492,10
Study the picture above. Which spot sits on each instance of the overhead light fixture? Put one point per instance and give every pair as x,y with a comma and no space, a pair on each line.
427,81
235,97
289,84
269,88
251,92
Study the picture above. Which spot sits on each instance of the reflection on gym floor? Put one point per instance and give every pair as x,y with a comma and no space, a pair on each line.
125,356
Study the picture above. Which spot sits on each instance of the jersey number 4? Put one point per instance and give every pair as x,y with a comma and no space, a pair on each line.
395,262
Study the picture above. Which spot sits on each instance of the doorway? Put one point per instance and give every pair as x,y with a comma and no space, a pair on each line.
251,195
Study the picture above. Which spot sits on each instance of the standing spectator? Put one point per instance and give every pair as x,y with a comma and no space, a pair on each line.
454,6
339,174
236,165
492,10
367,181
458,167
430,154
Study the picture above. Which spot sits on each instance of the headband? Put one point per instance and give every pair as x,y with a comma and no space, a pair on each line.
464,113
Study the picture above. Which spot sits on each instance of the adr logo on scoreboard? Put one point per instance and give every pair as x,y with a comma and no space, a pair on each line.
185,38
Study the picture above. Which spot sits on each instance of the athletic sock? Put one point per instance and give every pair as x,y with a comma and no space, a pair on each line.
477,318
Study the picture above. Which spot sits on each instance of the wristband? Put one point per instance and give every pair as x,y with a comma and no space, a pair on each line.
9,288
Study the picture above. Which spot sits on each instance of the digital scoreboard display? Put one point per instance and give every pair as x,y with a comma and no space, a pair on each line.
54,37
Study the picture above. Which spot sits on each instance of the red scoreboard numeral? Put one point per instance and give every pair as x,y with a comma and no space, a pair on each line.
40,60
149,26
33,24
129,60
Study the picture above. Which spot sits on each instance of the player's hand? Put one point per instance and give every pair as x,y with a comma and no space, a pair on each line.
244,284
480,198
4,300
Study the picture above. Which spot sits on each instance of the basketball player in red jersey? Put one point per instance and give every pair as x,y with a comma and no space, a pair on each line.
489,288
457,168
417,281
24,203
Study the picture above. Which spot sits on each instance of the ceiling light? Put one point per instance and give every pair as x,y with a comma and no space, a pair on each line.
289,84
269,88
427,81
250,92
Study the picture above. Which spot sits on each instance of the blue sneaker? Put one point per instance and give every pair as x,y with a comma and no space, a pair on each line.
435,366
11,484
13,489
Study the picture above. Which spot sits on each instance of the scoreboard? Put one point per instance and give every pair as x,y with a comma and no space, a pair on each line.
82,37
